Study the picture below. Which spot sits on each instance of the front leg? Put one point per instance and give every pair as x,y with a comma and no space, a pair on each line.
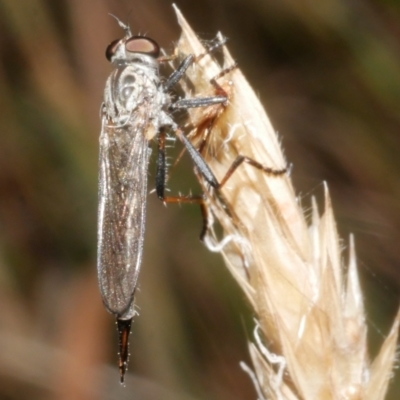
177,75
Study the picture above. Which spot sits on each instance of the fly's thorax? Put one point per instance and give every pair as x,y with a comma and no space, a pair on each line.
129,87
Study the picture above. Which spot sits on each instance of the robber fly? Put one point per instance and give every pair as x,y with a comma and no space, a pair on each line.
137,107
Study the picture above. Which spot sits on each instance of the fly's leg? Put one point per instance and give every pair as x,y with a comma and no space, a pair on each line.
208,175
220,91
243,159
177,75
205,102
160,183
204,170
221,96
184,104
196,154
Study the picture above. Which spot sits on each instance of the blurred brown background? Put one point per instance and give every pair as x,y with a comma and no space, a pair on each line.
329,76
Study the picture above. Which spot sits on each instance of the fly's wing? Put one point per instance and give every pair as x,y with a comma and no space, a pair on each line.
124,155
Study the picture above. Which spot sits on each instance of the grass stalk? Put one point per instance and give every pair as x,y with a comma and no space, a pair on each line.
310,339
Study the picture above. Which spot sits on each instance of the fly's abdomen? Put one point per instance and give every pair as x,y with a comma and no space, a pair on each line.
122,198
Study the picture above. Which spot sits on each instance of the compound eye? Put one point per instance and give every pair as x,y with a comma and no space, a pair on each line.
144,45
112,48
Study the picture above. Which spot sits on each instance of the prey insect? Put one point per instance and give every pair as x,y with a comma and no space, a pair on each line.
137,107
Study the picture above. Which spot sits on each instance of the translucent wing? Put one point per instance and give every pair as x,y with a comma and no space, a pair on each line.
124,155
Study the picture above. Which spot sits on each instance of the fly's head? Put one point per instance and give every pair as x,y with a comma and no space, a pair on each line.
137,50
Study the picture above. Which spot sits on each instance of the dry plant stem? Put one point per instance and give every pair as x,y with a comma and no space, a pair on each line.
310,312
